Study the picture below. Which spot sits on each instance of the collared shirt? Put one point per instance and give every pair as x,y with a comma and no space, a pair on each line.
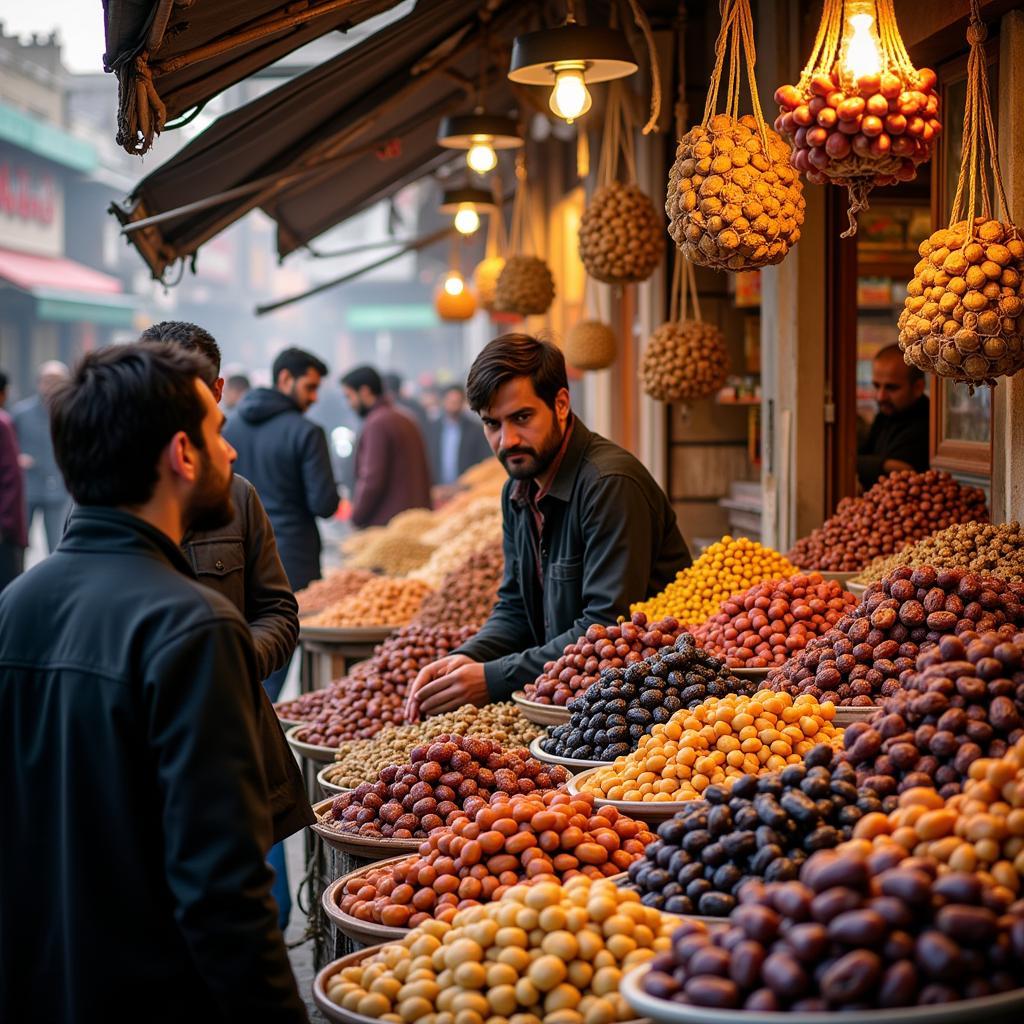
451,438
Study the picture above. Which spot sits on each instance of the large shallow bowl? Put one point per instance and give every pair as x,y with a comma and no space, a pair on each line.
367,932
330,1009
330,789
651,812
357,845
752,673
992,1009
540,714
847,716
311,751
574,763
857,589
353,635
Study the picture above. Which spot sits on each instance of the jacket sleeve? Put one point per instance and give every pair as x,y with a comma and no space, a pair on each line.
201,707
506,629
270,606
318,475
619,536
372,481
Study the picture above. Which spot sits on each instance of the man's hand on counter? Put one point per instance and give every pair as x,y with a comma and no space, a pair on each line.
445,685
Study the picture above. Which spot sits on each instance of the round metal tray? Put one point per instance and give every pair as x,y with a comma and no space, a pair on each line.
311,751
368,932
329,788
541,714
574,763
357,845
857,589
330,1009
651,812
351,635
1007,1006
290,723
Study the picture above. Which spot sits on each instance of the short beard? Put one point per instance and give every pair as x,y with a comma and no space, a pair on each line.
211,507
538,461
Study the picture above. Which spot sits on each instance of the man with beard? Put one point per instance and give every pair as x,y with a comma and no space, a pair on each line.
587,530
128,710
391,459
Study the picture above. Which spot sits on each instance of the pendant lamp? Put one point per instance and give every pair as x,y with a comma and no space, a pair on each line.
467,204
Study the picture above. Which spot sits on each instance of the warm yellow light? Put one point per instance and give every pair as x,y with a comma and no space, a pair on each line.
481,156
862,50
570,97
453,283
467,220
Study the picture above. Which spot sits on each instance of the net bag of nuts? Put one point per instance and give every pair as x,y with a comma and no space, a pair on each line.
488,270
591,344
621,236
684,359
963,317
525,285
861,115
734,201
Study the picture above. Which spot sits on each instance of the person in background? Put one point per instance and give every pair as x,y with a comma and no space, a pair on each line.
455,441
236,387
285,457
393,389
240,561
128,709
430,400
44,489
391,460
587,530
898,438
13,523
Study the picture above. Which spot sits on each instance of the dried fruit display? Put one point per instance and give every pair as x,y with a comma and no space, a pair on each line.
856,933
995,549
621,236
467,594
719,741
484,533
610,718
966,701
865,656
381,602
963,317
525,287
334,587
773,621
764,827
684,360
544,952
727,567
396,551
601,648
491,846
901,508
411,800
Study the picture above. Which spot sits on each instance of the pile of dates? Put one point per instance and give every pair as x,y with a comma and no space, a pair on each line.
865,655
411,800
609,719
603,648
764,827
856,932
966,701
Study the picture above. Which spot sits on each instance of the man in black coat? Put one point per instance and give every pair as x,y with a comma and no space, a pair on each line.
456,440
128,710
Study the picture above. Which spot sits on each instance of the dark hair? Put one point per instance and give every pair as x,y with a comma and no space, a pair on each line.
511,356
111,420
238,380
297,362
364,376
454,387
914,373
392,382
3,381
191,337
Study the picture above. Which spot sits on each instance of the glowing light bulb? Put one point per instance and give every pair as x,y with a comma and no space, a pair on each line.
860,54
467,220
453,283
570,97
481,156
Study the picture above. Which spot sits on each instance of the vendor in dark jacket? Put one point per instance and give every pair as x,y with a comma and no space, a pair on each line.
129,701
898,438
587,530
240,561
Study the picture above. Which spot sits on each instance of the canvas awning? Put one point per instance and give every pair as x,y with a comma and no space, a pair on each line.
325,145
172,56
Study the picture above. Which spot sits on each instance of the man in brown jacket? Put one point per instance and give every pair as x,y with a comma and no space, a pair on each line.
391,459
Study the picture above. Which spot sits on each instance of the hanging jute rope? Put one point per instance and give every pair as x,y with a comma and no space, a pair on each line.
525,285
963,317
859,127
734,202
652,55
621,235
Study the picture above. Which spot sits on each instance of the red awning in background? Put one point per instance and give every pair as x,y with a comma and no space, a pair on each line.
30,273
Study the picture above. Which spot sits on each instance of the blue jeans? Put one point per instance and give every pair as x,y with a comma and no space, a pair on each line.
277,860
274,683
